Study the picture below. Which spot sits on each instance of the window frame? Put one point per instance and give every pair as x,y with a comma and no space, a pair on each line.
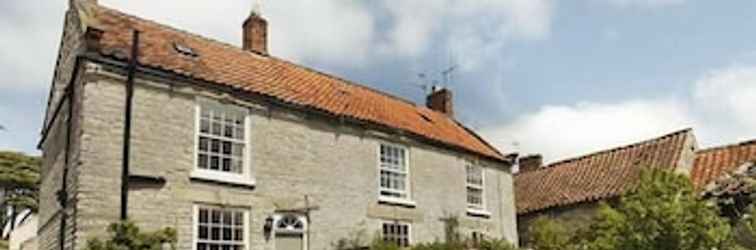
407,199
246,177
476,209
400,223
195,222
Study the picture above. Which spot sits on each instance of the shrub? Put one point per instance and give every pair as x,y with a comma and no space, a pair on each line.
662,212
127,236
549,234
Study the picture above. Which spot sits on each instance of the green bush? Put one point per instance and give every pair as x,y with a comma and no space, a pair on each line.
127,236
496,244
550,234
663,212
745,230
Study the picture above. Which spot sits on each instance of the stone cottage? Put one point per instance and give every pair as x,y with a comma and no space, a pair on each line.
238,149
572,189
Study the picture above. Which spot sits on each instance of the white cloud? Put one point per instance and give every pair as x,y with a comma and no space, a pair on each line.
474,30
563,131
720,106
726,99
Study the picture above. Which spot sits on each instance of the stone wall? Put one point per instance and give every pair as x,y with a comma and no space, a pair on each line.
573,217
294,155
54,145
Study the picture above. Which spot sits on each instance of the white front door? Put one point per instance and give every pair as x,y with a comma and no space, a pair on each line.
290,232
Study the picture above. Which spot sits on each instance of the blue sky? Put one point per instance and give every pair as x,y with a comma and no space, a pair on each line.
560,78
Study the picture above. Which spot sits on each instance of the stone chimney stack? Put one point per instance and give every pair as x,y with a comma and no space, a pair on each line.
530,163
74,2
255,34
440,99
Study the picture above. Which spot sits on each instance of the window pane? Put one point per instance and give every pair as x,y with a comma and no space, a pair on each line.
215,233
204,125
203,216
203,232
215,145
203,144
215,216
238,218
239,132
226,165
214,163
226,233
236,166
228,130
237,150
215,128
226,146
202,161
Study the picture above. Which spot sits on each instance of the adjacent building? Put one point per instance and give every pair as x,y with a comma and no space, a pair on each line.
572,189
238,149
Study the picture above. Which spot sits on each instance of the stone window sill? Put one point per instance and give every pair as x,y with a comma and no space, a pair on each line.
226,178
478,212
396,201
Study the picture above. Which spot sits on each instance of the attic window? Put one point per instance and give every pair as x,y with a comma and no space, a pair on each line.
185,50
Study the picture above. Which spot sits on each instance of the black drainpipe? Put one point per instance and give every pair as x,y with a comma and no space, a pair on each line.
63,192
127,125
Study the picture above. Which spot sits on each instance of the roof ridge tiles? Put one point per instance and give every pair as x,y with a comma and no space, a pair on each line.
617,148
727,146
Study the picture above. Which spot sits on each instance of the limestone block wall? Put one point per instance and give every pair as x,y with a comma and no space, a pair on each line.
293,155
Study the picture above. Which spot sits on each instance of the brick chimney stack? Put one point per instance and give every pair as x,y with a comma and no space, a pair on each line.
255,34
440,99
530,163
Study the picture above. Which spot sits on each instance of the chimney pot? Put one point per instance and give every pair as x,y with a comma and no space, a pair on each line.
440,99
531,163
255,34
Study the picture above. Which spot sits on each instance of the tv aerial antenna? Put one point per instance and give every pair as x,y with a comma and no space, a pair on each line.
257,8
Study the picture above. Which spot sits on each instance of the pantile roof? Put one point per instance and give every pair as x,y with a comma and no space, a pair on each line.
596,176
713,163
228,65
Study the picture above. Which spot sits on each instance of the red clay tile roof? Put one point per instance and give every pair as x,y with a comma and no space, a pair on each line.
715,162
272,77
596,176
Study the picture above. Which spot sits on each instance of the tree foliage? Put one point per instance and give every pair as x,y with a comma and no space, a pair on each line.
127,236
550,234
745,230
663,212
19,182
